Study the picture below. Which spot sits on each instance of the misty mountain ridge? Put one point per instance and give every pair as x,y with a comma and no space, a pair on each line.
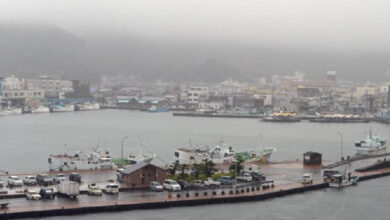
35,50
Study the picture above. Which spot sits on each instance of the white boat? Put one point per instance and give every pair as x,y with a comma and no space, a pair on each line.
88,106
10,111
370,145
217,154
341,180
40,109
97,159
134,159
62,108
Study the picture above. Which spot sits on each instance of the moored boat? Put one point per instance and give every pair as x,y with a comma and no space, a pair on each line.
10,111
40,109
370,145
88,106
62,108
96,159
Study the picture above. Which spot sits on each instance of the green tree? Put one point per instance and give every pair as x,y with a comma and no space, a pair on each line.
183,168
173,168
208,168
233,168
196,170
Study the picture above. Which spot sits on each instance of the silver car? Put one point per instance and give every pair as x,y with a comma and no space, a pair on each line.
155,186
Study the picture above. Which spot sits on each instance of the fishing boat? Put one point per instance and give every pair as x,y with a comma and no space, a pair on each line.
282,117
342,180
370,145
40,109
62,108
158,109
221,154
96,159
88,106
10,111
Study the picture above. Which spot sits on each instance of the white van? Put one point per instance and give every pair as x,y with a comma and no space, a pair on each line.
111,188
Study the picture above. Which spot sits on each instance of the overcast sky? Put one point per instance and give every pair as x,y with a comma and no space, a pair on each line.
316,24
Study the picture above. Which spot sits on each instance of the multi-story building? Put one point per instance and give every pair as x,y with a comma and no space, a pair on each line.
197,93
50,85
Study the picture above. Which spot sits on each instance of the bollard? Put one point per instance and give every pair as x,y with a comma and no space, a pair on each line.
253,189
223,193
247,190
196,194
187,195
178,195
214,193
231,192
205,193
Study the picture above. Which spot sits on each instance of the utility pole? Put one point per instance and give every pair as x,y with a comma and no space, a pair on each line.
122,140
341,144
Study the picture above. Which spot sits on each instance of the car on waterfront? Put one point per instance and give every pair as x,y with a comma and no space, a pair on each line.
30,181
171,185
184,185
211,183
60,177
47,193
111,188
94,190
226,180
44,180
197,184
75,177
245,177
33,195
155,186
14,181
307,178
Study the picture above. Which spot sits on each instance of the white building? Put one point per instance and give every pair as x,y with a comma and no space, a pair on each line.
13,83
50,85
197,93
210,106
365,90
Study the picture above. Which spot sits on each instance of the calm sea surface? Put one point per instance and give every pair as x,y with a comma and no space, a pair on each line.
26,141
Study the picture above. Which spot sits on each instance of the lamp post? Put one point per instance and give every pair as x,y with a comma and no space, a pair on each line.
341,144
122,140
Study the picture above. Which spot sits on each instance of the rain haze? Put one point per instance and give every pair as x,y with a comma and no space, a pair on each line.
184,107
283,36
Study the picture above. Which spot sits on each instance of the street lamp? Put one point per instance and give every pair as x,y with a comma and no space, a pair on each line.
341,144
122,147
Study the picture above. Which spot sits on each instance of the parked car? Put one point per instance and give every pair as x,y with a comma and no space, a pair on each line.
184,185
30,181
197,184
257,176
94,190
14,181
210,182
171,185
226,180
60,177
246,177
33,195
307,178
111,188
75,177
155,186
44,180
47,193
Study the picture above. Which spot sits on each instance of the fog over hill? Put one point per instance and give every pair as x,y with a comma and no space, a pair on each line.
32,50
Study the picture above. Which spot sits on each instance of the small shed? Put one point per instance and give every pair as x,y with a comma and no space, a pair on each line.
142,173
312,158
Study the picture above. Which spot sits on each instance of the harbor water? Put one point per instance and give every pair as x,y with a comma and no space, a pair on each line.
27,140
